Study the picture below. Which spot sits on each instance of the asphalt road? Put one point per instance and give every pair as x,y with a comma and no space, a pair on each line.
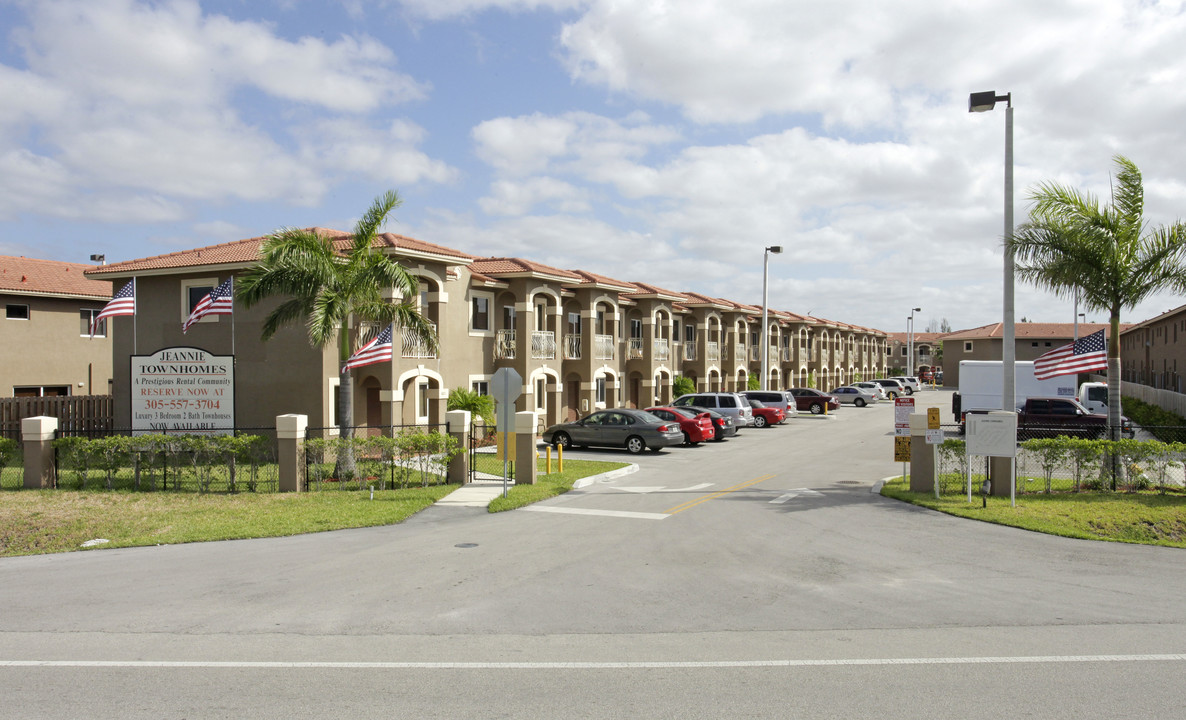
759,577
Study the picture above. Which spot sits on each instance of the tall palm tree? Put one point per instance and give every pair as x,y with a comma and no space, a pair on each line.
1105,253
332,291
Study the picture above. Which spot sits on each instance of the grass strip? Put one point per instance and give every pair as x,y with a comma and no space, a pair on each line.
48,521
553,484
1148,518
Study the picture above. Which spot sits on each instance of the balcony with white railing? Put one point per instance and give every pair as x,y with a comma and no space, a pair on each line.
543,345
603,347
662,350
414,347
772,355
712,352
634,348
572,346
786,355
504,345
689,351
739,352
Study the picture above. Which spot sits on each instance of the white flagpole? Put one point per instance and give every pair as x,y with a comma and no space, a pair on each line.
135,316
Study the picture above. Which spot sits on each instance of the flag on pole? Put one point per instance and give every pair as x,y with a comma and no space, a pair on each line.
376,351
124,303
1085,354
220,301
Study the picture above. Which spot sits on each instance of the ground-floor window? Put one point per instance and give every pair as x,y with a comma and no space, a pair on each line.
41,391
422,401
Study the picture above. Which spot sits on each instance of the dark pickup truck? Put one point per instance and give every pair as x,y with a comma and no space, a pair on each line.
1048,417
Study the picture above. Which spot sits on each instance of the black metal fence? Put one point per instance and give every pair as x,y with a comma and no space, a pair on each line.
392,456
1151,458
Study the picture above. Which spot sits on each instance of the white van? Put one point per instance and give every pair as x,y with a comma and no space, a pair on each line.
1094,396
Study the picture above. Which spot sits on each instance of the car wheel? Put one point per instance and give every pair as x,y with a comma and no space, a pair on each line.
688,440
859,402
760,421
892,395
562,439
635,444
816,409
909,391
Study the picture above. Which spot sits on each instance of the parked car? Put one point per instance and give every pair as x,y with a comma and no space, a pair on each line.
726,403
893,387
765,416
780,399
911,383
724,425
813,401
850,395
635,430
872,387
696,426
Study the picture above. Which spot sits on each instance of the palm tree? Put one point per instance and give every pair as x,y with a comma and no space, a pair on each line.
331,290
1105,253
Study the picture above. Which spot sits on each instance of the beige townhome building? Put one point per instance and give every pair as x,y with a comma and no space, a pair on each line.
1153,352
46,347
579,341
1031,341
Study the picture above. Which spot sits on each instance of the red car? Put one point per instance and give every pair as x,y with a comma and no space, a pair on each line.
697,426
766,416
813,400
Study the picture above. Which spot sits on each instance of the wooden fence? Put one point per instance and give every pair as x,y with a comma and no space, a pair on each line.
91,415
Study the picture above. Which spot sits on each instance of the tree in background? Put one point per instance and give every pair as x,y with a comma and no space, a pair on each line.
479,405
1105,253
331,289
681,385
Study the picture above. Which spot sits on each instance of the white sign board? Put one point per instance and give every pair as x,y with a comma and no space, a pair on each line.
903,409
934,437
183,390
993,434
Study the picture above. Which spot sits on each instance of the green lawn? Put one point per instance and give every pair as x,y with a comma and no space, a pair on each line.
47,521
1139,517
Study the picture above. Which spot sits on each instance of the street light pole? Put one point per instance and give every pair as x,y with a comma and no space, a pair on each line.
983,102
765,345
910,343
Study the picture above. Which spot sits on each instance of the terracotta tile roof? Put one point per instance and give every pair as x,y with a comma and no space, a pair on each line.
1046,331
588,278
642,289
508,267
50,277
926,337
241,252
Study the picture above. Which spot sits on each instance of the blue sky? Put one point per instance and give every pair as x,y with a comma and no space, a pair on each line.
652,140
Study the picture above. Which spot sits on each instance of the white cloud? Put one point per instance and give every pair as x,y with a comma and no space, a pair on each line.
442,9
519,198
347,146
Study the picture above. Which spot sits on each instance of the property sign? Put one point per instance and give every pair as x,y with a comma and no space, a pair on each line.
185,390
994,434
902,449
903,407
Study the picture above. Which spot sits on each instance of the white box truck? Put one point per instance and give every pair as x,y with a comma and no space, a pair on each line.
981,384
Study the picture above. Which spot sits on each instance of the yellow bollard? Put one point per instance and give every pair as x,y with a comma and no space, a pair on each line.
548,460
560,456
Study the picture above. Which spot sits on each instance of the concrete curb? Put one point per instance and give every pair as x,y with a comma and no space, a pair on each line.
611,475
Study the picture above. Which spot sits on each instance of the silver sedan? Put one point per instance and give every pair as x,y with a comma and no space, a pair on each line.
635,430
850,395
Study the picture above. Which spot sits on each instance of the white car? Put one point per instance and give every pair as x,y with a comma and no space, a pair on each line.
893,388
872,387
912,384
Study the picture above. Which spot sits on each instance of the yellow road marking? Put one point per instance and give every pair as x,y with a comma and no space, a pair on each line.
740,486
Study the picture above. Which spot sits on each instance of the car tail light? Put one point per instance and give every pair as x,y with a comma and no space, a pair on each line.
663,428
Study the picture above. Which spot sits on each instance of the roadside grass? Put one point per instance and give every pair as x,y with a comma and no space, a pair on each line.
1148,518
551,485
49,521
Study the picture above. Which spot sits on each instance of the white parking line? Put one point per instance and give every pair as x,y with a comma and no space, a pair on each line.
581,665
605,513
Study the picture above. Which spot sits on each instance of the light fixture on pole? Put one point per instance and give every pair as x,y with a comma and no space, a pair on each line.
983,102
910,342
765,346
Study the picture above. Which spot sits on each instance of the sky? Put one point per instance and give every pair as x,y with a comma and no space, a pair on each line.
661,141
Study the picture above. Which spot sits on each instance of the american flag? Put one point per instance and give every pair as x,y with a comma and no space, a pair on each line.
124,303
220,301
1085,354
376,351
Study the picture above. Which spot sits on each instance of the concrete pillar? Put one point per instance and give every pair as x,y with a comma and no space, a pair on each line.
290,451
525,452
459,428
37,435
922,456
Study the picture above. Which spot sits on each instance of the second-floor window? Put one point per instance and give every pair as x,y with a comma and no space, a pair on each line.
481,314
16,312
636,328
86,316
